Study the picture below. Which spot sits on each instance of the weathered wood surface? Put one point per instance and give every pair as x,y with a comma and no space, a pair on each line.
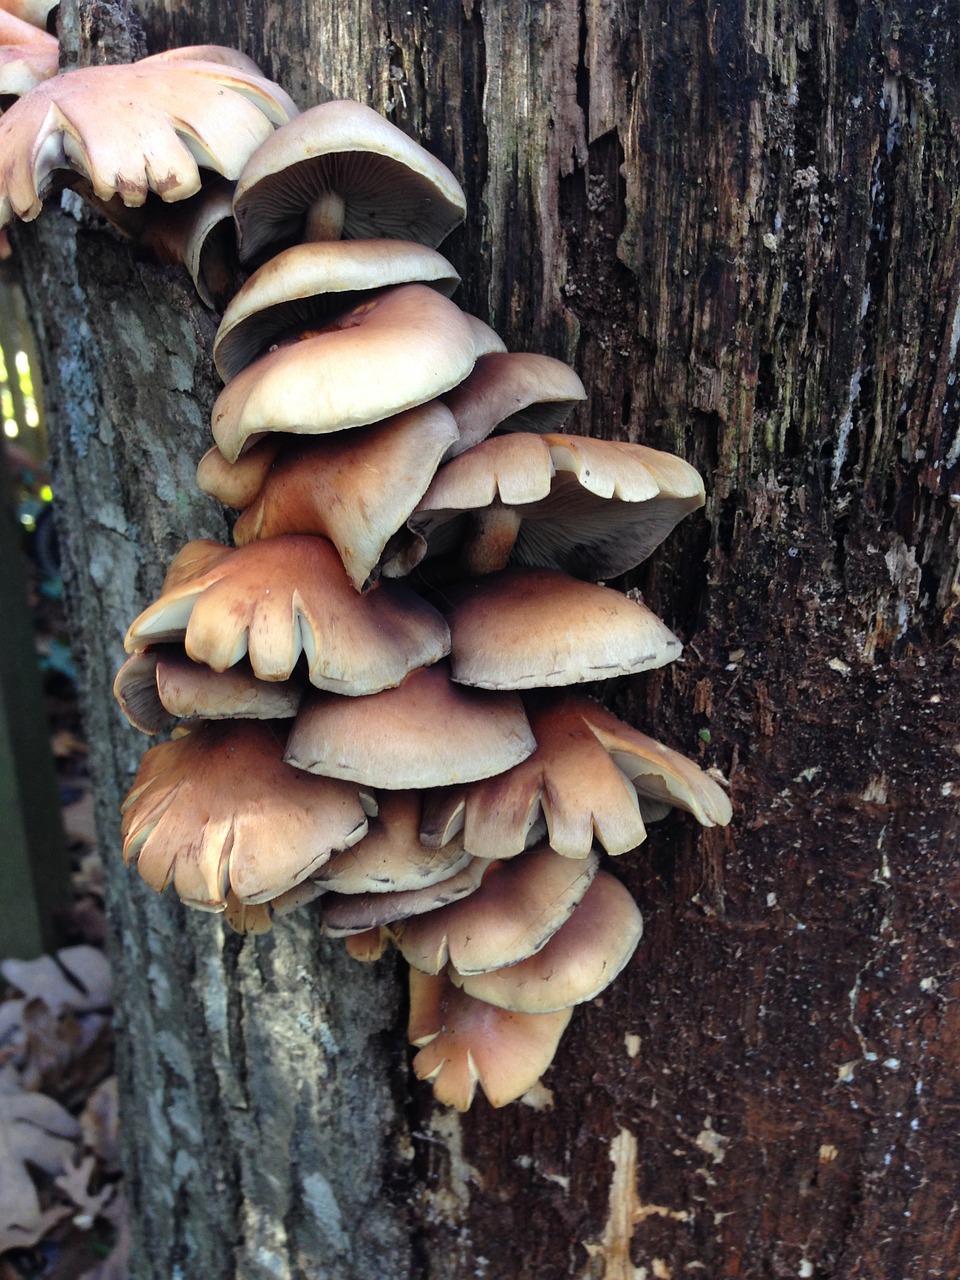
740,223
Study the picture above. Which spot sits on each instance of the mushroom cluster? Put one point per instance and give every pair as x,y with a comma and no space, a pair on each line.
371,691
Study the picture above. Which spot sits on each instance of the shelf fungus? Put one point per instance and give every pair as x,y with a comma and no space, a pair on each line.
369,695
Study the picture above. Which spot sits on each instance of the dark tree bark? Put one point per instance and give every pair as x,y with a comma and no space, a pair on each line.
740,223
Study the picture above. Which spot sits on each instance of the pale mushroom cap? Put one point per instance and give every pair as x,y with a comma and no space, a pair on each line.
516,391
134,128
354,487
345,914
217,809
581,959
390,858
428,732
197,233
277,599
518,907
391,187
536,628
216,53
570,780
27,55
468,1042
398,350
34,12
191,690
306,286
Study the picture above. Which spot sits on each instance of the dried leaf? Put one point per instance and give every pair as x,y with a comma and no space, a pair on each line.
77,978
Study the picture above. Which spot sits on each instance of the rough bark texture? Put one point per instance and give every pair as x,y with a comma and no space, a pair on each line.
739,221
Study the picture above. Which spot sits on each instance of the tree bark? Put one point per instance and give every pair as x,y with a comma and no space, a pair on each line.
740,224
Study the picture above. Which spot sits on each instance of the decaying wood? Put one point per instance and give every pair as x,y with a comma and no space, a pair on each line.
740,223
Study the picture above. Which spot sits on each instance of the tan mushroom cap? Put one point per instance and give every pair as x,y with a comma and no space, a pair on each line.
35,12
578,962
347,914
401,348
277,599
345,168
594,508
135,688
536,628
354,487
569,780
217,809
518,907
196,233
467,1042
236,484
428,732
135,128
306,286
217,53
367,946
390,858
513,391
27,55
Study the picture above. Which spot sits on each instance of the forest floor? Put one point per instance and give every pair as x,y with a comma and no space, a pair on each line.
62,1208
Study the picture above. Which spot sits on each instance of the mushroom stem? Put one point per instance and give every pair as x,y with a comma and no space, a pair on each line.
324,220
492,535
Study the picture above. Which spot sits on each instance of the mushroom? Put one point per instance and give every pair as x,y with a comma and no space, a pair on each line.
236,484
535,628
578,962
286,596
427,732
395,351
218,809
134,128
307,286
347,914
593,508
465,1042
34,12
354,487
342,170
518,907
27,55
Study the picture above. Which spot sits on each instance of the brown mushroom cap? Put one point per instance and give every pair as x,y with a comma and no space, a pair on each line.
390,858
513,391
518,907
581,959
286,596
197,233
467,1042
217,809
27,55
236,484
354,487
346,914
398,350
428,732
535,628
570,780
307,286
134,128
593,508
135,688
383,184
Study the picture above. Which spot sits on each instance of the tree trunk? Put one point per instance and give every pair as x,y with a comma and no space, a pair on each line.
740,224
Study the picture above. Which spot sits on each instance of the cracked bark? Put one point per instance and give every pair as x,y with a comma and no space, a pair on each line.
740,223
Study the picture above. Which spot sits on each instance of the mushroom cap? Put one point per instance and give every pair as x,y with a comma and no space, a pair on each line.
27,55
135,688
428,732
569,780
518,907
236,484
392,188
535,628
467,1042
307,286
197,233
35,12
593,508
393,352
346,914
515,391
278,598
217,53
390,858
134,128
578,962
217,809
354,487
